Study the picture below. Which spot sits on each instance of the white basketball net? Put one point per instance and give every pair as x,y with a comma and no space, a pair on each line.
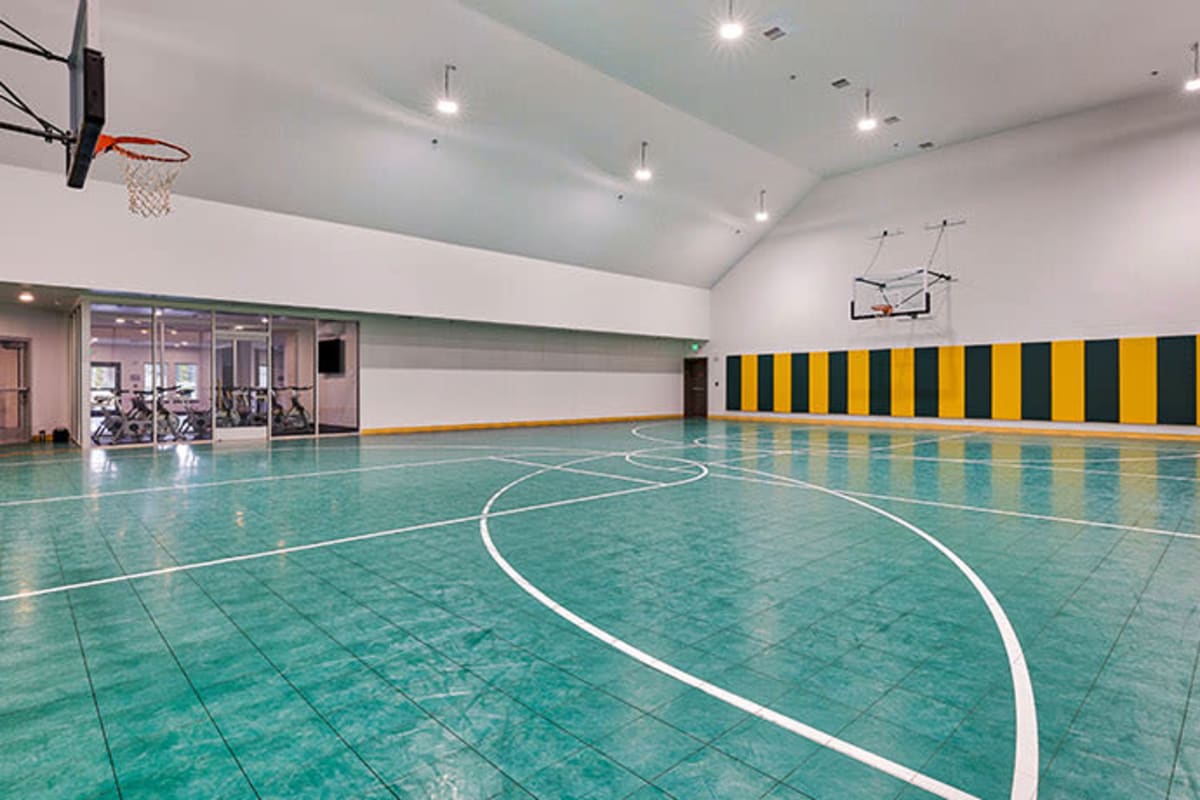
151,167
149,184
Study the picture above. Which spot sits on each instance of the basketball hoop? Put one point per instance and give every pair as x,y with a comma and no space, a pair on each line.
151,167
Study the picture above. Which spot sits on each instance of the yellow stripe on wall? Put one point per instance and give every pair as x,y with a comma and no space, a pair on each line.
783,382
952,378
904,388
818,383
750,383
1006,381
1066,381
859,392
1138,373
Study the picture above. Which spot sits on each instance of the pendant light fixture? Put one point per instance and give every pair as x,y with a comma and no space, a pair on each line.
868,123
731,29
1193,85
762,215
447,104
644,173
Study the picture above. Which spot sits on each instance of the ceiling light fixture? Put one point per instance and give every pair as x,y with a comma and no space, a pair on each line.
120,320
26,297
447,104
1193,85
868,123
762,215
644,173
731,29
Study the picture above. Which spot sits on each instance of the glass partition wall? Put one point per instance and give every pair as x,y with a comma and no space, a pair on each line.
337,368
163,375
293,383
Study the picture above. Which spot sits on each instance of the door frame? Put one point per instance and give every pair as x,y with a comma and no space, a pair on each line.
24,430
687,389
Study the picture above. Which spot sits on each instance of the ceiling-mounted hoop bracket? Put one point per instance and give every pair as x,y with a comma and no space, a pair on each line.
48,132
897,292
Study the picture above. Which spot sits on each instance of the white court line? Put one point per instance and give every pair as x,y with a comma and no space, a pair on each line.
820,737
299,548
589,472
1087,523
1025,764
917,443
755,453
174,487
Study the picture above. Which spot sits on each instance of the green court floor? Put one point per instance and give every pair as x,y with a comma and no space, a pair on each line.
687,610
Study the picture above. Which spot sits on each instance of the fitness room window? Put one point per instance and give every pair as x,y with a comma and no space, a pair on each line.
119,349
243,404
184,374
293,385
337,376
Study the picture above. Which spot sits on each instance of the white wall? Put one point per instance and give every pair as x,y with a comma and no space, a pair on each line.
47,332
425,372
1083,226
208,250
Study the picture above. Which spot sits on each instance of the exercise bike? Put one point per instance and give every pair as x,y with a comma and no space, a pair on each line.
295,418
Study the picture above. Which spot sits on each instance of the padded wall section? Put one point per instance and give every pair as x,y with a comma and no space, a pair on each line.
1136,380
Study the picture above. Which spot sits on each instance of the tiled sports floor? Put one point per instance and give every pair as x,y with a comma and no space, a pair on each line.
688,610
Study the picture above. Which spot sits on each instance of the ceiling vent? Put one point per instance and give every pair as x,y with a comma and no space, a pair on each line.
841,83
775,33
926,145
892,120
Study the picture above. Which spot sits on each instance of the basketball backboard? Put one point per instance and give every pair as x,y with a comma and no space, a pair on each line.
86,67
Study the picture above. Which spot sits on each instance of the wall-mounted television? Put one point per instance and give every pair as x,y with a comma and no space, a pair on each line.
331,357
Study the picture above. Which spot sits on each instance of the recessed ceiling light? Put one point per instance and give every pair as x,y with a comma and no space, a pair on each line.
446,104
892,120
120,320
774,33
26,297
841,83
644,173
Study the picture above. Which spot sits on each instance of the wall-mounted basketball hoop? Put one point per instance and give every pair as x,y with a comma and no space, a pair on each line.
907,294
150,167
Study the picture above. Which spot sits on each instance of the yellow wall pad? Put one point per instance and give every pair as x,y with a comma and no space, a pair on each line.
841,422
750,399
783,382
952,381
818,383
904,382
537,423
1066,381
1006,381
1139,380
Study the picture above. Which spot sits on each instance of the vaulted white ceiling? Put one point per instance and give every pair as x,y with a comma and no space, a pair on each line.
326,110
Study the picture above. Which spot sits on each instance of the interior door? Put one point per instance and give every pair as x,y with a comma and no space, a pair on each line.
14,391
695,387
